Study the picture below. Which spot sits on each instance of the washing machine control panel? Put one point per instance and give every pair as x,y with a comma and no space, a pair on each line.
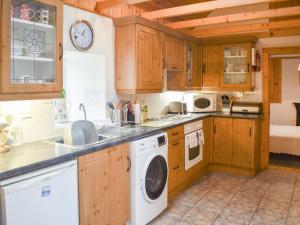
162,140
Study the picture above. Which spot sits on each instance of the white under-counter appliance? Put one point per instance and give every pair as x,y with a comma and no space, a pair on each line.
194,140
201,102
45,197
149,176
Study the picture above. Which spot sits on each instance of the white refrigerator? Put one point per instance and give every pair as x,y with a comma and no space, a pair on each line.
45,197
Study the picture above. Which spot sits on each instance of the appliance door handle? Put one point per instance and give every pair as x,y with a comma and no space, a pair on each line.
129,163
35,180
202,136
61,51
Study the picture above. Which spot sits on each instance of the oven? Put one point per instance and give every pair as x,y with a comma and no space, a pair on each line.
201,102
194,141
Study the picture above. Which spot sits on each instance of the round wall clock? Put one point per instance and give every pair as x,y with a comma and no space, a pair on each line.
82,35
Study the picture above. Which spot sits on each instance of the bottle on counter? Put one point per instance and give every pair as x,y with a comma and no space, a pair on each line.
144,112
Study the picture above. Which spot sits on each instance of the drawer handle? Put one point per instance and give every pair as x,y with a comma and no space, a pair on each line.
174,144
175,133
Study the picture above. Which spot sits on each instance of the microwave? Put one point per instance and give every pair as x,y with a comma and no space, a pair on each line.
201,102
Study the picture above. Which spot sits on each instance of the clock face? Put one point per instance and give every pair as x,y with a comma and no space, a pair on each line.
82,35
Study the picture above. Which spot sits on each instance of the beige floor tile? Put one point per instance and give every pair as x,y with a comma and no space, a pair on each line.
235,214
200,216
291,220
266,217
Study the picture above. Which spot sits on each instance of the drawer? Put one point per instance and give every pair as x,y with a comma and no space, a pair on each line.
176,150
175,133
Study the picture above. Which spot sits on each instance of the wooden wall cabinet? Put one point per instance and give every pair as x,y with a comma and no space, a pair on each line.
31,52
211,66
236,73
138,59
236,142
193,66
174,53
104,186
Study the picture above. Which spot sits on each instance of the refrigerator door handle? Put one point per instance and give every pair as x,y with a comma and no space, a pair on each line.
35,180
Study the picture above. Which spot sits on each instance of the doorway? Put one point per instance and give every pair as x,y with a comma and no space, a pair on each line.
268,58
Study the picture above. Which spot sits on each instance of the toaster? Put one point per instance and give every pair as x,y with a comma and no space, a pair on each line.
177,107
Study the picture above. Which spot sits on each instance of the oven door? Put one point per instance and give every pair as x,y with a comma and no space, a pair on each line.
193,148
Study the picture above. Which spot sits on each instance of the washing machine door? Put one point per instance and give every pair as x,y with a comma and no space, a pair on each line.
155,178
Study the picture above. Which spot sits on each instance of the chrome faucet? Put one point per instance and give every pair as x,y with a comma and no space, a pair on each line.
82,108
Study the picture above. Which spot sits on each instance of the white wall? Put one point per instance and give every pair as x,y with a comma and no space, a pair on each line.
285,113
89,75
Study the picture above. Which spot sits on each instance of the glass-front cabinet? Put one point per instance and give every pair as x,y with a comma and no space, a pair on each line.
237,71
31,46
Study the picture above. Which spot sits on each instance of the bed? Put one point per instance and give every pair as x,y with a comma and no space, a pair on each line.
285,139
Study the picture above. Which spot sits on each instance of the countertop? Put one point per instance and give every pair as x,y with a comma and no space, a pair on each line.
41,154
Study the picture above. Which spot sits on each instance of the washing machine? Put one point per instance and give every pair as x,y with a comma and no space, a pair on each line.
149,178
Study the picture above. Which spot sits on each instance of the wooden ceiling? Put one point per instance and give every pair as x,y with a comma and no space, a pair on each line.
215,18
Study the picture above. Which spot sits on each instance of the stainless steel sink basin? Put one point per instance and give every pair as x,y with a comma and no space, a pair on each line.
60,140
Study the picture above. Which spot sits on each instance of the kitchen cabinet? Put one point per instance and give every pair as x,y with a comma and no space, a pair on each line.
236,71
175,157
211,66
174,53
104,186
222,136
139,59
243,143
236,143
31,57
193,66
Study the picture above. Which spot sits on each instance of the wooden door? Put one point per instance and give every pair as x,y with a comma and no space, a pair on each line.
104,187
243,143
208,140
211,66
194,81
222,145
32,65
275,80
149,59
174,53
236,70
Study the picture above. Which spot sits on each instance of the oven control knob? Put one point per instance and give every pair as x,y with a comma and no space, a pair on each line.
154,144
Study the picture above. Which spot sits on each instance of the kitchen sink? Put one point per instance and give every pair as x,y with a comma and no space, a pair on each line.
60,140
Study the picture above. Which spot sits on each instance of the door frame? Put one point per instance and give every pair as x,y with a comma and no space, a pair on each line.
265,134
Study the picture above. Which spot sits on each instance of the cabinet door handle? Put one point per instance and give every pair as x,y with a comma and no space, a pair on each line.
174,144
61,51
203,68
163,63
248,68
175,133
215,129
250,132
129,163
176,168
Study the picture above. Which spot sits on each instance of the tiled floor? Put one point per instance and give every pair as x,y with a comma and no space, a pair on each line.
271,198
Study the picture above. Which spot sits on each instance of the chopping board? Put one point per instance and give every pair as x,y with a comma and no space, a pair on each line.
157,123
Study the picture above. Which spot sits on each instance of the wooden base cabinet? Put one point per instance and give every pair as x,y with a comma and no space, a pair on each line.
138,59
236,143
175,157
104,187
